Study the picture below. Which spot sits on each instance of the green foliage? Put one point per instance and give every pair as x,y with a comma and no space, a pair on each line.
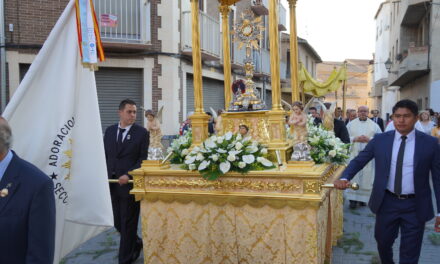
434,238
351,242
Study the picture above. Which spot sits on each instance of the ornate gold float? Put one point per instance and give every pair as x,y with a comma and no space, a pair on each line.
283,215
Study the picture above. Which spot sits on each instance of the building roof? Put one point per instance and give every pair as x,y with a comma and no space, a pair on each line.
305,44
380,8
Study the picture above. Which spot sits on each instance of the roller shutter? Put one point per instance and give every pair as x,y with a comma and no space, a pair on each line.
213,94
115,85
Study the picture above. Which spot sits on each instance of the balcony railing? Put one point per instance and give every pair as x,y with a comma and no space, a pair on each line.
124,21
262,62
239,55
413,66
210,36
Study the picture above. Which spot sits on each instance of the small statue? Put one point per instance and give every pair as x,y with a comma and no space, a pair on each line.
298,128
155,150
298,123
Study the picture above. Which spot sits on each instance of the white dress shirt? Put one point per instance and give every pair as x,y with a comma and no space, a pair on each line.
408,163
127,128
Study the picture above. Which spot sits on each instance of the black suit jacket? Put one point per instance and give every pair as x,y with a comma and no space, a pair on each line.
317,121
27,215
130,156
379,123
426,161
341,131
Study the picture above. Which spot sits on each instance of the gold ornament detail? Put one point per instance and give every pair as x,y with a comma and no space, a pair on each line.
237,185
312,187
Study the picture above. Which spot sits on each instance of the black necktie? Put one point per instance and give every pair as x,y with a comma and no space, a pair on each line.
399,167
120,136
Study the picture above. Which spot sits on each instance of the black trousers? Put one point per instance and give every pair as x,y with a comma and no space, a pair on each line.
395,214
126,217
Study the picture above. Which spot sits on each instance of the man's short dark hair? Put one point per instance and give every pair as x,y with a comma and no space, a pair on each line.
313,108
408,104
327,105
126,102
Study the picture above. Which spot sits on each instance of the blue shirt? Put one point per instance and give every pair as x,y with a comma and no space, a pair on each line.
5,163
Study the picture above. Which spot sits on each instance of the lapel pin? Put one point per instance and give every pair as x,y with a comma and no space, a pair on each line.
4,192
128,137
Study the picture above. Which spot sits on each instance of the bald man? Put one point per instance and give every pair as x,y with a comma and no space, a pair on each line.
361,130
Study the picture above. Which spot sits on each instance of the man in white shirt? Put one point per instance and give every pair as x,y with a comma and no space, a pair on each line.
401,197
361,130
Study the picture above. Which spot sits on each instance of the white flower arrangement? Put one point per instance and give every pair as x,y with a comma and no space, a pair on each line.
219,155
180,147
325,146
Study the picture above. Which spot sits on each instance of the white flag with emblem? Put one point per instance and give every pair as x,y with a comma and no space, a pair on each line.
55,121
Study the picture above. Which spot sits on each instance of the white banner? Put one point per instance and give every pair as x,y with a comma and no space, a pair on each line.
56,125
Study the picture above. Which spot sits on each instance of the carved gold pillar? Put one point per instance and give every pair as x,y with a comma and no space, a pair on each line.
199,120
276,118
224,10
293,52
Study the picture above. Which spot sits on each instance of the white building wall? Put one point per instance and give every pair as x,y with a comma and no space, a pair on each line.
382,49
169,81
434,93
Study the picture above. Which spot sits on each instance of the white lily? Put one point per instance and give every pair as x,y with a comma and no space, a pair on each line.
220,140
238,146
231,157
225,166
221,150
265,162
263,151
210,143
228,135
185,152
252,149
332,153
200,157
249,159
190,159
214,157
204,165
241,164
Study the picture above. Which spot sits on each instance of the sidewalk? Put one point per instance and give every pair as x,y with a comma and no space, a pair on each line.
357,246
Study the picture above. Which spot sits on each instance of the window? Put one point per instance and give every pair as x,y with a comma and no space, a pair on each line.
202,5
419,103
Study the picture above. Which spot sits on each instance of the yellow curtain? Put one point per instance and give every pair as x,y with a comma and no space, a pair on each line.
318,89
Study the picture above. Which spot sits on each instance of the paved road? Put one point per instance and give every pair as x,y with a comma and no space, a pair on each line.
356,247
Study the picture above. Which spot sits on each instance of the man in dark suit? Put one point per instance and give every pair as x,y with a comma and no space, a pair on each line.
401,197
314,112
126,146
27,208
377,119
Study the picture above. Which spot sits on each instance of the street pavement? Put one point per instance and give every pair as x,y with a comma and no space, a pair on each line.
357,246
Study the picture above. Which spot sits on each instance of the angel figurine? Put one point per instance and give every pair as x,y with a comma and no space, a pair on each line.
298,123
155,150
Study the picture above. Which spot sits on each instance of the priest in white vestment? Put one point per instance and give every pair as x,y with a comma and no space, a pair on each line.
361,131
